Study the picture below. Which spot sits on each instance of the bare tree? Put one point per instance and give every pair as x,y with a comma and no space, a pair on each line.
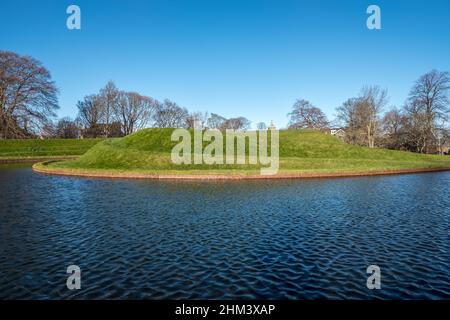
134,111
305,115
394,129
28,96
48,130
361,116
392,121
215,121
109,96
240,123
170,115
261,126
67,129
197,120
415,127
372,102
348,116
91,114
428,104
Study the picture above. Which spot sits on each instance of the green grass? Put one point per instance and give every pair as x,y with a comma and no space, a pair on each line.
36,148
148,151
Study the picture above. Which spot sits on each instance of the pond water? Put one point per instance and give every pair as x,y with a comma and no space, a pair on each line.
286,239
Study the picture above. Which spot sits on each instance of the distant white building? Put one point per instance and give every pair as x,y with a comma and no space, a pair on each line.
338,132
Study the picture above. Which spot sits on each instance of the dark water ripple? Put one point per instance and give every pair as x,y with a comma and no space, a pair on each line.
225,240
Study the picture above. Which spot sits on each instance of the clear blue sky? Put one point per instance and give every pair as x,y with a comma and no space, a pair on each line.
248,57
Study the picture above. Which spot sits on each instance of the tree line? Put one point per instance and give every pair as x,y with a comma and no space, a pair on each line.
28,105
420,125
113,113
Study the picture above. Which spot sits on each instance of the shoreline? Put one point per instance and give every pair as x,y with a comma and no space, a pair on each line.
166,176
36,159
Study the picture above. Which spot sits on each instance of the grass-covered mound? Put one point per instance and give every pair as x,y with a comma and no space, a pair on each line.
148,152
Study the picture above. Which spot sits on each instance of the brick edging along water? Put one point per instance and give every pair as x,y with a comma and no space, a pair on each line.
35,160
118,175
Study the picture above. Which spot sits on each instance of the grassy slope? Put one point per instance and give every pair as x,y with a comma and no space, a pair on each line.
35,148
300,151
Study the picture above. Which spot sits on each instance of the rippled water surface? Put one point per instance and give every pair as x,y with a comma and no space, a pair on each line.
287,239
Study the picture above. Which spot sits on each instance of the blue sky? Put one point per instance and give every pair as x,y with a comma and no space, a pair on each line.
236,58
